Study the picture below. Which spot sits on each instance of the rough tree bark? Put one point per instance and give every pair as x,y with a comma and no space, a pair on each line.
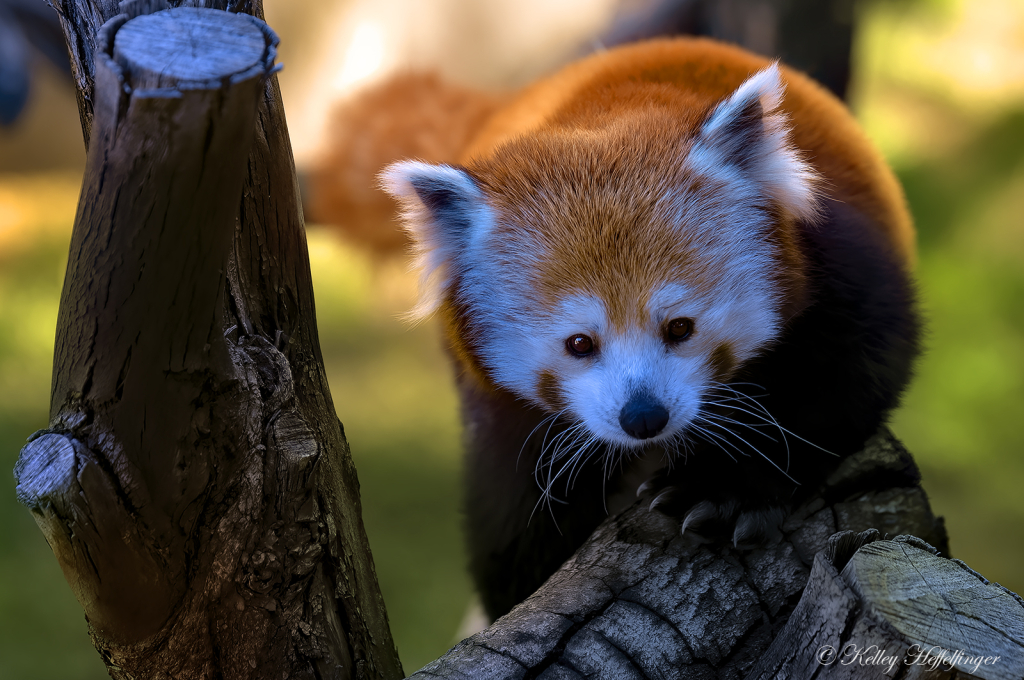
195,483
896,606
640,601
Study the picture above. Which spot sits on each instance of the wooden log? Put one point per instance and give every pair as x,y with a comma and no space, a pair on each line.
896,607
194,483
638,600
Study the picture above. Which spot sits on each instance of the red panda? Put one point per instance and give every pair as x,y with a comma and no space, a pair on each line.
674,252
407,115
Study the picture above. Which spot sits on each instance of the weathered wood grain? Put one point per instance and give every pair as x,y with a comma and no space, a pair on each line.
640,601
941,607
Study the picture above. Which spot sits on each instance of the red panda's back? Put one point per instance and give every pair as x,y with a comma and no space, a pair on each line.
688,77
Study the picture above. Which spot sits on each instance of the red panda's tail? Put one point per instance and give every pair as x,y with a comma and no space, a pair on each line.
409,115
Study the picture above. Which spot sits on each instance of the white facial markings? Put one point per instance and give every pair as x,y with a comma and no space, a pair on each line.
723,223
731,240
527,339
629,363
524,339
675,300
636,360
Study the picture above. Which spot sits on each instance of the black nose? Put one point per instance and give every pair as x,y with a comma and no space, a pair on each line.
643,417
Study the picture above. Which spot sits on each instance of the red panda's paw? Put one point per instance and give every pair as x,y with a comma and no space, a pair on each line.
746,524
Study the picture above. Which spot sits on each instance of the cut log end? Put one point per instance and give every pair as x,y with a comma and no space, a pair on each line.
46,468
951,616
184,44
186,48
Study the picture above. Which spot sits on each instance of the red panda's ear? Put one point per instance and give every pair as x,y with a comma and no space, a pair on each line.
749,131
443,210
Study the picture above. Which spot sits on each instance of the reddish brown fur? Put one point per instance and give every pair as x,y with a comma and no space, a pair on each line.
577,171
410,115
629,104
561,205
547,390
520,179
630,108
644,76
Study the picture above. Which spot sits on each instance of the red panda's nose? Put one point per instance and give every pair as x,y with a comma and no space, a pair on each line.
643,417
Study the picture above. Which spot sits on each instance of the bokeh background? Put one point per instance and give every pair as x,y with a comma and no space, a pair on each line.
938,84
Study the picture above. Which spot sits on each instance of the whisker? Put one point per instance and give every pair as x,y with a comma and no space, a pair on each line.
548,472
543,460
712,416
765,411
735,392
725,431
580,462
566,441
550,420
573,462
713,438
782,429
756,450
526,441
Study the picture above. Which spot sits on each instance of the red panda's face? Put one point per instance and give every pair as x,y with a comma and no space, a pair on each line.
637,382
618,276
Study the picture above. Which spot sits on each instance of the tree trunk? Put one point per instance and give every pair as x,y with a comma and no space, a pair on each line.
195,483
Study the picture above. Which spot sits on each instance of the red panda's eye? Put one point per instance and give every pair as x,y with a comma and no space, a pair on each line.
679,329
580,345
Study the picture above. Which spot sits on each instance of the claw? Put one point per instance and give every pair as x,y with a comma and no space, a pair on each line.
646,486
660,498
748,527
757,526
699,514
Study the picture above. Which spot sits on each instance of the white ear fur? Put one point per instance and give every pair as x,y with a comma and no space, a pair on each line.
445,212
749,131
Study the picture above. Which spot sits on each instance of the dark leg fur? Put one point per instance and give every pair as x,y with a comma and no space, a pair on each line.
832,379
514,543
842,365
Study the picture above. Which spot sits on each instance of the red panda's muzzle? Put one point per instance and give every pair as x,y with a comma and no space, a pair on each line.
643,417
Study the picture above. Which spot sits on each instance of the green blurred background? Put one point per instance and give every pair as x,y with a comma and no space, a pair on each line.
938,84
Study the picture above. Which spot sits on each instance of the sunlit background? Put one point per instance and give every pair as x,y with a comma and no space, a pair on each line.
938,84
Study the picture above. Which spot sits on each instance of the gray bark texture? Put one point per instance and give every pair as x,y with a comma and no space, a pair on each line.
640,601
195,483
896,607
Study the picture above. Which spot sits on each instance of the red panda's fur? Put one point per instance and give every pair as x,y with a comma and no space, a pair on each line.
409,115
655,182
641,76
